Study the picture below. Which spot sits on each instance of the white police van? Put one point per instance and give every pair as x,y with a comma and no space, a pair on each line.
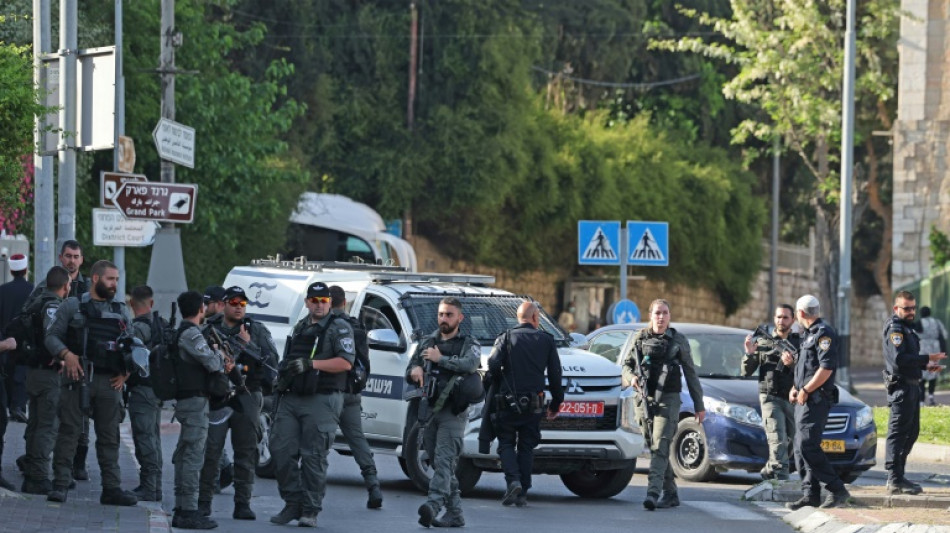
593,445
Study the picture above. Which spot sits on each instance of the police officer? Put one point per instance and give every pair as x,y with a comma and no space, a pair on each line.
763,352
444,354
351,420
43,387
312,379
6,345
71,258
197,367
88,327
251,346
214,303
145,409
660,356
814,393
13,294
904,365
518,362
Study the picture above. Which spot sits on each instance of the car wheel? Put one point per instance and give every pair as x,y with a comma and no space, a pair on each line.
588,483
417,466
265,463
688,453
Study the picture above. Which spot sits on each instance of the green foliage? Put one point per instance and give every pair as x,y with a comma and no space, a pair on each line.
934,424
18,105
939,247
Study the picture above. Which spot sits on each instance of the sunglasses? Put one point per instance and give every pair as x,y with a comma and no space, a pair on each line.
237,302
908,308
319,299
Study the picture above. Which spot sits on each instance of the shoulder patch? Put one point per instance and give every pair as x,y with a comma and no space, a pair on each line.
346,344
897,338
824,342
476,351
51,311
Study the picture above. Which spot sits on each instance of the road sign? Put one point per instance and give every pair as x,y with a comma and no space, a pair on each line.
175,142
110,228
166,202
109,184
394,227
598,242
126,154
623,312
94,100
648,242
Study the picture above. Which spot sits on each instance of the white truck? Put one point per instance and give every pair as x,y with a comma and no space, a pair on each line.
593,445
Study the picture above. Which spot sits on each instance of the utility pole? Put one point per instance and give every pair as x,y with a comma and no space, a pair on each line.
68,50
44,236
166,270
843,315
773,249
410,105
118,253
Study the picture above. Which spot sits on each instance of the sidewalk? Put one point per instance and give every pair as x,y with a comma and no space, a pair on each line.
82,510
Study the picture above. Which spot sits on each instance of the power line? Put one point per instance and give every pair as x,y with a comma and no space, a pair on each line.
618,85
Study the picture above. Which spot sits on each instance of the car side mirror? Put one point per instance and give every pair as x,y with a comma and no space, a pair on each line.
578,340
386,340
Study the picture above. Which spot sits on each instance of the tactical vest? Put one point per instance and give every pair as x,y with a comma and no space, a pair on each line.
441,376
100,333
190,375
41,358
253,375
661,368
307,345
774,377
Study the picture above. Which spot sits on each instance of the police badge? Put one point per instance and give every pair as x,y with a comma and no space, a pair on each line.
824,343
897,338
346,344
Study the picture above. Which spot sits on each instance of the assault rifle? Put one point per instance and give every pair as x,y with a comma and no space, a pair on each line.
772,347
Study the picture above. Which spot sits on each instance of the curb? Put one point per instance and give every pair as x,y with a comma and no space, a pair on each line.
791,491
811,520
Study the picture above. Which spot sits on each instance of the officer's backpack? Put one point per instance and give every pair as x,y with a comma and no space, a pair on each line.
26,327
358,375
163,359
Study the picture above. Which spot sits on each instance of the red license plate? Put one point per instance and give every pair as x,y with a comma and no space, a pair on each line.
582,409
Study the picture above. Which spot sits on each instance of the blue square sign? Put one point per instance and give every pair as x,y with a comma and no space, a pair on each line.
598,242
648,242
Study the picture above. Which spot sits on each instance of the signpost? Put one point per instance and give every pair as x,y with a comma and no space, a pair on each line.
175,142
163,202
111,182
623,312
110,228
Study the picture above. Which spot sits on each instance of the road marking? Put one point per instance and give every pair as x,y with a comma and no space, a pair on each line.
727,511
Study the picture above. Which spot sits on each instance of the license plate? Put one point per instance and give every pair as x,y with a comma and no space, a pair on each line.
832,446
582,409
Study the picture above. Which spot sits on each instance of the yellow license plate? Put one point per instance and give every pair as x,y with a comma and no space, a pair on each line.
832,446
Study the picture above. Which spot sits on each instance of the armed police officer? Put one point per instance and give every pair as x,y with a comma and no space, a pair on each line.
84,335
439,361
661,355
351,419
252,348
43,386
311,382
904,365
200,372
518,363
814,393
764,350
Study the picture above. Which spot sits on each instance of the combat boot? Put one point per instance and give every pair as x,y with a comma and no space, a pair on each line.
117,496
836,498
668,500
204,508
79,463
21,463
291,511
650,503
427,513
58,494
514,490
36,486
242,511
804,501
375,499
452,518
147,495
903,486
307,519
192,520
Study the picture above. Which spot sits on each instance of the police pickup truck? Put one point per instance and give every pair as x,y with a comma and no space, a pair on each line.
593,445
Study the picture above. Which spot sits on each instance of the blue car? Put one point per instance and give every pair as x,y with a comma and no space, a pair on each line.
733,437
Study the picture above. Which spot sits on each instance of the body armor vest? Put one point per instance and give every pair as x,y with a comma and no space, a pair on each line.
191,376
662,370
253,374
773,376
99,334
41,358
307,345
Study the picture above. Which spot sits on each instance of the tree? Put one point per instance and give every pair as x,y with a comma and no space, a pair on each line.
790,61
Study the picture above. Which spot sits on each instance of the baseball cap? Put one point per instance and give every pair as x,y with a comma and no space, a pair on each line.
234,292
807,302
214,293
318,288
18,262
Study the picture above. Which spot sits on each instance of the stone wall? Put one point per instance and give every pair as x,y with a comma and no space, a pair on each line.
688,304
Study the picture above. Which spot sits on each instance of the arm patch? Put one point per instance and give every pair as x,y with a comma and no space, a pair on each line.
896,338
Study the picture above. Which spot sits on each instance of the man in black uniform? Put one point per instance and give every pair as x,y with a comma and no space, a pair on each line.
813,394
763,351
518,362
84,337
13,295
5,346
904,365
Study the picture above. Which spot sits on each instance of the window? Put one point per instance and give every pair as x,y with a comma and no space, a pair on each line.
609,345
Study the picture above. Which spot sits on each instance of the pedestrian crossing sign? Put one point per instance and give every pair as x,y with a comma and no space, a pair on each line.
598,242
648,242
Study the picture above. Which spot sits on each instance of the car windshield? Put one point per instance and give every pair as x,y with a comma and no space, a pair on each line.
486,316
717,355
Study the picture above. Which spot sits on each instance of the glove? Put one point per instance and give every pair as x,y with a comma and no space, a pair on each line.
296,366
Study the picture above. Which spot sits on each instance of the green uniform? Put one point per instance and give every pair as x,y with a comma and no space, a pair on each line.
443,431
245,422
309,413
653,352
43,387
145,415
105,401
192,414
